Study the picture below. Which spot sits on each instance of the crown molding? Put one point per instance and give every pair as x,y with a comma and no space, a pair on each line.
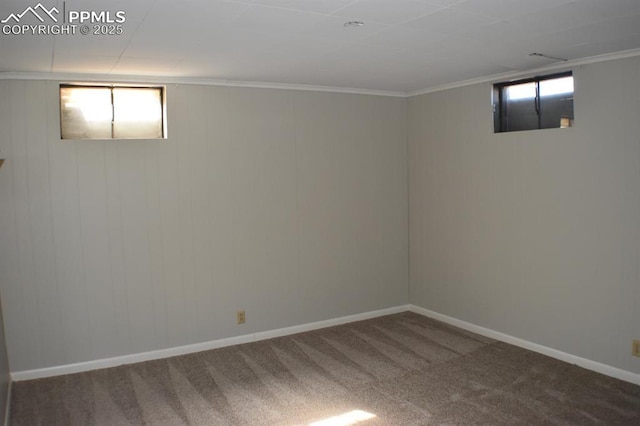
142,79
146,79
512,75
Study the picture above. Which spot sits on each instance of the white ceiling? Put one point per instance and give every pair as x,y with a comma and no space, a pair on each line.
404,46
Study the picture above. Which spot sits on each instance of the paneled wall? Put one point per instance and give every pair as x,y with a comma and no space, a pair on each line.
535,234
291,205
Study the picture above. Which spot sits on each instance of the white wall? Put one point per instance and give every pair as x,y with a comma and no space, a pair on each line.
535,234
290,205
293,206
5,376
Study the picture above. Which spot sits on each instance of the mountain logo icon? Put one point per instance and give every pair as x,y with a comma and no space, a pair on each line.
34,11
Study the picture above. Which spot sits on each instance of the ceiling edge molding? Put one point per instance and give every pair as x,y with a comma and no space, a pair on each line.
312,88
519,74
141,79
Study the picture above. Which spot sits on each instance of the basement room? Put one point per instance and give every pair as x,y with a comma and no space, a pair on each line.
319,212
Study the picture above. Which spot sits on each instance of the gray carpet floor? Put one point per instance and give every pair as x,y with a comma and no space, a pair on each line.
403,369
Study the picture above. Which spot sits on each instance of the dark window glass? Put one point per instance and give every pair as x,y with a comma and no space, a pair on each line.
536,103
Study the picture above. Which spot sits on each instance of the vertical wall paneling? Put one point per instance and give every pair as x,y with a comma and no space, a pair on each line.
182,125
199,112
385,184
285,204
45,277
68,254
32,318
94,231
223,267
170,222
265,175
156,248
245,163
10,277
317,191
135,229
8,253
119,282
280,209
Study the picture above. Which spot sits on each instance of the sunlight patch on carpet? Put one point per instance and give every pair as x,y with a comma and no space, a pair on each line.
346,419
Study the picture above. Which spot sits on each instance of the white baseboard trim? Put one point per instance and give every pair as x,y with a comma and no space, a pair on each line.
7,405
598,367
39,373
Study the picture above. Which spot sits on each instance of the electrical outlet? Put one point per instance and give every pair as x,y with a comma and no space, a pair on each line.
636,348
241,317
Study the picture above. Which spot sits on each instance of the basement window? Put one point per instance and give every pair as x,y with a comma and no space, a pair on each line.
111,112
536,103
